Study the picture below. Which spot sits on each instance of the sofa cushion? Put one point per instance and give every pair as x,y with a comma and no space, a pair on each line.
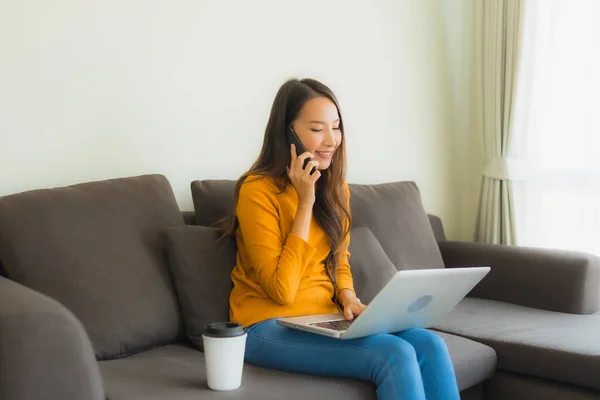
98,248
178,373
395,215
371,268
392,211
473,362
201,266
508,385
529,341
213,200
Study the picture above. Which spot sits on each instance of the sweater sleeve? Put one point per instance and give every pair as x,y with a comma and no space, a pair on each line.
279,260
344,275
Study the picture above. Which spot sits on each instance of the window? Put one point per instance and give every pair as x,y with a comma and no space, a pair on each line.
558,114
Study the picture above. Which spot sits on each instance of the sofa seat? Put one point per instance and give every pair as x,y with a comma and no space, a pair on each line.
177,372
557,346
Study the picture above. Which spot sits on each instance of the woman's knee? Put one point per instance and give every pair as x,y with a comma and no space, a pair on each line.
392,357
393,348
425,341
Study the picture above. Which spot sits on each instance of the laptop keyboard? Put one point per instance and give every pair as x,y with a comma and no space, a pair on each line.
338,325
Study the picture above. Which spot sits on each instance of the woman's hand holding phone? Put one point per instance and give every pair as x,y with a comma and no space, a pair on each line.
302,179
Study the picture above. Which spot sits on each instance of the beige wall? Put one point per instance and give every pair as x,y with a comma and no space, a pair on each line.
460,26
96,90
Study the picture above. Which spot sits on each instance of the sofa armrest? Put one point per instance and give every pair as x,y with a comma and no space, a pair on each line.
44,351
554,280
437,227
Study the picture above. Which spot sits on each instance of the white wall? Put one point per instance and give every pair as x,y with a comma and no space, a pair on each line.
95,90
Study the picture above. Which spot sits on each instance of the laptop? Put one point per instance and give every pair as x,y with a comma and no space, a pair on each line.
411,299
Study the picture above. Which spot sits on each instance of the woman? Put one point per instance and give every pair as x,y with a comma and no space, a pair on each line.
292,229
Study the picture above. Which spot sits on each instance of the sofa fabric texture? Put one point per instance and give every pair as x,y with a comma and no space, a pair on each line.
201,265
98,248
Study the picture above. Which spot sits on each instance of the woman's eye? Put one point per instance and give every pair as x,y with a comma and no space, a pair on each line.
337,128
316,130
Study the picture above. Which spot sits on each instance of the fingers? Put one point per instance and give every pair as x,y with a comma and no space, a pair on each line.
297,161
354,310
300,160
358,309
309,167
348,314
314,177
301,178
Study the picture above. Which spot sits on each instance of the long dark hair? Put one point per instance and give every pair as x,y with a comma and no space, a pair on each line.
331,209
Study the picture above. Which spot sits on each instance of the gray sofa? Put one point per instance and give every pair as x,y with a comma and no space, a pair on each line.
89,308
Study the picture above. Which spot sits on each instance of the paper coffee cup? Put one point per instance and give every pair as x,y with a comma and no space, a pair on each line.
224,349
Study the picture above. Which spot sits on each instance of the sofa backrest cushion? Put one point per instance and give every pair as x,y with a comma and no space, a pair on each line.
371,268
99,249
213,200
393,212
396,216
201,265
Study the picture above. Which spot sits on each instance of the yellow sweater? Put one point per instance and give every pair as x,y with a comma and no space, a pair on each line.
277,273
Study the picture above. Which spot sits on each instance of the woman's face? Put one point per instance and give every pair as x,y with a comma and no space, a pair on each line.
318,127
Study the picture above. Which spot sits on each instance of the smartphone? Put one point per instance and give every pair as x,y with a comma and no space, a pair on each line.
300,149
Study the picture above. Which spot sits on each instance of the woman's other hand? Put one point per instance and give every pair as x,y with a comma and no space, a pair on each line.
351,304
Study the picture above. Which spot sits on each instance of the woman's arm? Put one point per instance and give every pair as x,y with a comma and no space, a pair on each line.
344,275
351,304
279,262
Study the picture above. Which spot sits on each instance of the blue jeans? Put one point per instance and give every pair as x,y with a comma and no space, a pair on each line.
408,365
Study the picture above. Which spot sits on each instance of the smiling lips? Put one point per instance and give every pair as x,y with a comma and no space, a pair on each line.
324,154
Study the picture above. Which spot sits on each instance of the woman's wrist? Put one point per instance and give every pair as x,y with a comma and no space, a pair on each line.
301,224
306,205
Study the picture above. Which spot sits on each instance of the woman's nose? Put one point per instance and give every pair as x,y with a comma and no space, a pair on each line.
329,139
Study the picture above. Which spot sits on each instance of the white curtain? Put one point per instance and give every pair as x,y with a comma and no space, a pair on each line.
497,61
558,115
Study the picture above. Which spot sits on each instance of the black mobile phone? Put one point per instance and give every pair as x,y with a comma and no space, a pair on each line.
300,149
